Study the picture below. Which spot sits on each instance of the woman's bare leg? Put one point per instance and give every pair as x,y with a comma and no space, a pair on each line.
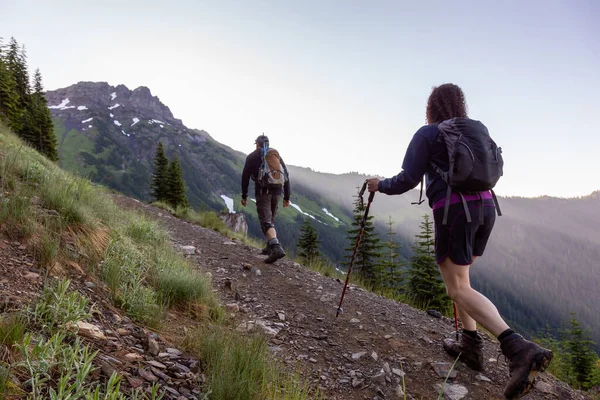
473,306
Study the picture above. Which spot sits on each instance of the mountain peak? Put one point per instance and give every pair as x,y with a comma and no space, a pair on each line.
86,95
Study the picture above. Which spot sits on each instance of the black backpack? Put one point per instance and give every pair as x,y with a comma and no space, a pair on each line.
476,162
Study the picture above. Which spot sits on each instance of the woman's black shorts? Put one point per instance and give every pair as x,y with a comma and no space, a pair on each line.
459,239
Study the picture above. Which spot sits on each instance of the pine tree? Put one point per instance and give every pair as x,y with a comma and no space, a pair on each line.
308,243
42,126
425,286
159,185
16,59
391,268
176,186
583,357
9,108
368,254
17,64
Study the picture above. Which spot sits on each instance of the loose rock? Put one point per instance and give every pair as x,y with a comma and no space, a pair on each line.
443,369
89,330
187,249
453,391
153,347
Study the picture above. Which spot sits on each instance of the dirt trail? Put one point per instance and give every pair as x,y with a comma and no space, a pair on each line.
361,354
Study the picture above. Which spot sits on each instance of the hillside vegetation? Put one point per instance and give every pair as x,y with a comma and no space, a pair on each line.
73,227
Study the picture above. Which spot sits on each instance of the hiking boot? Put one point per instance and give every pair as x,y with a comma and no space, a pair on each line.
266,250
276,253
469,348
525,360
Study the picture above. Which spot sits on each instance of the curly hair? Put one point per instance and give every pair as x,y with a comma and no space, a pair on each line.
446,101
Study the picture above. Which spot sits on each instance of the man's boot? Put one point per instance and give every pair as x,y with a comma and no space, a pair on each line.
470,349
276,253
266,250
525,360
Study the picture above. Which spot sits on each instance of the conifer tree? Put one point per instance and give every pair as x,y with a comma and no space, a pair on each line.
17,64
425,286
368,254
25,112
308,243
16,60
583,357
159,185
42,126
391,269
9,107
176,186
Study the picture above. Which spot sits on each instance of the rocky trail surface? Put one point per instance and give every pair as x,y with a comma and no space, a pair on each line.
376,349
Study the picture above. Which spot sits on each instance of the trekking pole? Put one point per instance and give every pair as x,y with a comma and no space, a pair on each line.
360,232
455,320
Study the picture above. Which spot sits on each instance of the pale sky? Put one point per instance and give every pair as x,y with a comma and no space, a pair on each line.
341,86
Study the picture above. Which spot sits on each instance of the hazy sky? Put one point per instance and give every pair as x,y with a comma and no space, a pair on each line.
341,86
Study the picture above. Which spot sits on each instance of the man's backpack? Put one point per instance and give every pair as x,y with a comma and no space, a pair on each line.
476,162
270,173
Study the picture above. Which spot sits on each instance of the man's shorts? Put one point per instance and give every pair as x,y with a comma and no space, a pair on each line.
459,239
266,206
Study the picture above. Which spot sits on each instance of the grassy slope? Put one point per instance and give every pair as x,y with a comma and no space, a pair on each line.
48,208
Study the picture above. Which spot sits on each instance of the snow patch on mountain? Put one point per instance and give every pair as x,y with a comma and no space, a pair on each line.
81,108
117,123
85,121
115,106
62,105
330,214
113,96
135,121
297,207
229,203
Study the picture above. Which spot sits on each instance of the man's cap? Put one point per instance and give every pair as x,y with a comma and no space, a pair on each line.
261,140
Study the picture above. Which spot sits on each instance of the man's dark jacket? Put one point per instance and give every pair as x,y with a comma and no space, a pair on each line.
253,161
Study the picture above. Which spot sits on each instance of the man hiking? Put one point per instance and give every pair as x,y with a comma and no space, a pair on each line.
462,164
270,176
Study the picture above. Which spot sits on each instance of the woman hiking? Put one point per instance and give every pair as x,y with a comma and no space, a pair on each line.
463,225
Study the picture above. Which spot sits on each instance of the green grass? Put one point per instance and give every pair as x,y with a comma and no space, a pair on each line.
241,368
59,306
12,328
46,250
49,208
15,217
